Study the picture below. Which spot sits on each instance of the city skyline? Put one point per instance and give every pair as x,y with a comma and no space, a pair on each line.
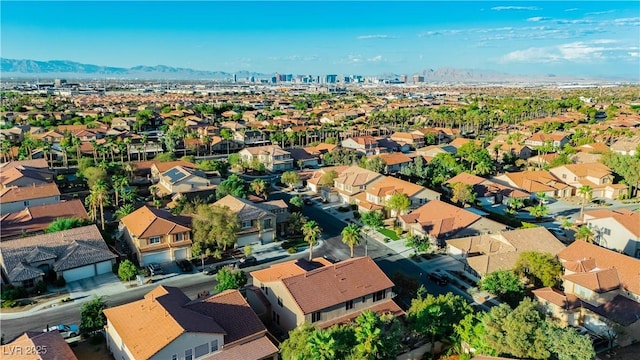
369,38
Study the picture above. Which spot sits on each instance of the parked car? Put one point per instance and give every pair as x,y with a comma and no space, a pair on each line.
308,201
213,269
155,269
185,265
331,259
67,331
438,278
559,233
247,261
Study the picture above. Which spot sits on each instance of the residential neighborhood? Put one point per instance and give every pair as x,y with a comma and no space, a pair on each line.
282,223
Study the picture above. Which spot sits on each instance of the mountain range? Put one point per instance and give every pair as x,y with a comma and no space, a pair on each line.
27,68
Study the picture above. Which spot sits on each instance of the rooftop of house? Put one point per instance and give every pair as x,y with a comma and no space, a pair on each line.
356,176
288,269
51,346
390,185
68,248
590,169
179,173
627,218
500,251
14,193
365,140
147,222
542,137
37,218
163,166
13,170
245,209
394,158
438,218
485,187
168,311
273,150
581,256
535,181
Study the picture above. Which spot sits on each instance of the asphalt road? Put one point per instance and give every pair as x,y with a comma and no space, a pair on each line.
332,245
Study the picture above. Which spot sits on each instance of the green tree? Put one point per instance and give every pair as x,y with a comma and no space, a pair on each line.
376,337
351,236
542,269
165,157
119,184
567,344
60,224
124,210
539,210
322,345
296,221
585,233
233,185
398,203
462,193
94,174
91,316
226,135
230,278
419,244
200,250
290,178
327,179
215,225
311,231
372,219
127,270
296,202
295,347
504,284
261,188
585,191
98,198
374,164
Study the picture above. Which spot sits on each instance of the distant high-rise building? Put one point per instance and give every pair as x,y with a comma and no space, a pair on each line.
403,79
274,79
331,79
235,78
418,79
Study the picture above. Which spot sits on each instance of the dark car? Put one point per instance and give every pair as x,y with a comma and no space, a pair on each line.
438,278
213,269
184,265
155,269
331,259
307,201
248,261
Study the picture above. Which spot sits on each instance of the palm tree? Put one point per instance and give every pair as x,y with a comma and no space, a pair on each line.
584,233
77,144
586,192
99,197
119,183
127,143
6,149
311,231
322,345
351,236
123,211
260,187
144,140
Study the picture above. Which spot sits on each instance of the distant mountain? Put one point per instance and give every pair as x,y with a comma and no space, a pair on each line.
489,76
71,69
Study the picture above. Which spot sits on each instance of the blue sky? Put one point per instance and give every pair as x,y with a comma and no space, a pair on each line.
586,38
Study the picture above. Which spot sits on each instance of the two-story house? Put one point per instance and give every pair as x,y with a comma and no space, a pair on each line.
601,292
72,254
156,235
376,196
617,230
252,137
415,140
178,180
25,173
321,293
257,224
626,146
167,324
535,182
394,162
598,176
486,253
354,180
367,145
274,158
487,192
439,220
35,219
14,199
557,140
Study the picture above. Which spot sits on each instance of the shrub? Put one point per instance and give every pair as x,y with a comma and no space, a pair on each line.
292,250
41,287
356,214
12,293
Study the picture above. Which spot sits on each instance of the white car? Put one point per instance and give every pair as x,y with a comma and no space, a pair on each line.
67,331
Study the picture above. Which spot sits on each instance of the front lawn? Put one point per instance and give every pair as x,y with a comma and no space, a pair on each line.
388,233
294,243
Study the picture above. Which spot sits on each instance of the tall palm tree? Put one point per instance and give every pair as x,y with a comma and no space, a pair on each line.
77,144
127,143
322,345
119,183
260,187
311,231
584,233
351,236
586,192
99,198
6,149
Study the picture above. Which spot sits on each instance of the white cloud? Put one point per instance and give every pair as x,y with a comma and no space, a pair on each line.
577,52
571,9
537,18
439,32
367,37
376,58
502,8
634,53
605,41
295,58
600,12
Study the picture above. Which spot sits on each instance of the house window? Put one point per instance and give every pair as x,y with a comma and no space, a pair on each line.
606,231
26,203
174,357
267,224
28,283
364,298
214,345
379,295
179,237
349,305
316,316
154,240
564,176
280,301
188,354
201,350
246,224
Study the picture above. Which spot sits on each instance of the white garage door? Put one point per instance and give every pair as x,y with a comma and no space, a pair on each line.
82,272
104,267
248,239
158,257
180,254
